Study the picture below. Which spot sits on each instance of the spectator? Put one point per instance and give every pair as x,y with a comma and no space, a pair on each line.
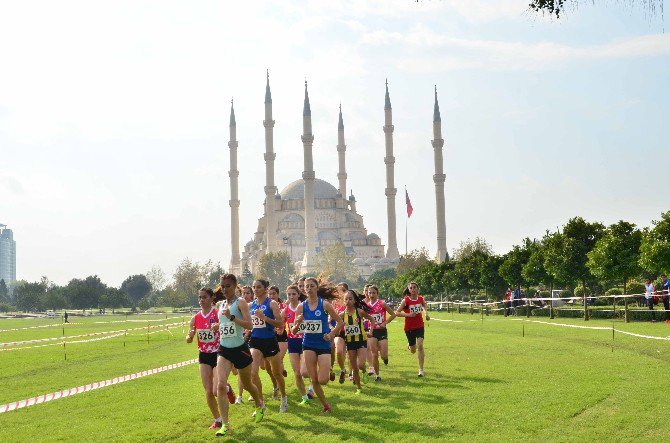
649,298
665,296
65,317
516,296
539,302
508,301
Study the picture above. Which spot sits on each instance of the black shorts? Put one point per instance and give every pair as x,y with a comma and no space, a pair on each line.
282,337
240,356
355,345
318,351
207,358
267,346
380,334
413,334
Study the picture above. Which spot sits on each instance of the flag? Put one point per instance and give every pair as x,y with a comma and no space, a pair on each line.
410,209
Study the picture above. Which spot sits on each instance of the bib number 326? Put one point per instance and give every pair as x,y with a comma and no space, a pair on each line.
205,336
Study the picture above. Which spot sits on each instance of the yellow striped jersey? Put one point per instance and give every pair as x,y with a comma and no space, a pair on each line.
353,327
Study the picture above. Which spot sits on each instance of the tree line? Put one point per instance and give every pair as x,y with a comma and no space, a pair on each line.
583,258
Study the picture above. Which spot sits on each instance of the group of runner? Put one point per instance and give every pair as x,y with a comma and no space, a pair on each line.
245,329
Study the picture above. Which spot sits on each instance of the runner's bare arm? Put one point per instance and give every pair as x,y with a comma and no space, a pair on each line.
191,330
276,322
298,319
400,313
245,321
338,327
425,309
390,312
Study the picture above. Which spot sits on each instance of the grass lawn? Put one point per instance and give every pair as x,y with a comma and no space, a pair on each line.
499,379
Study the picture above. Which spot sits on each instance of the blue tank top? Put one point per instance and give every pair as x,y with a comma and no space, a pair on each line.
315,321
231,334
262,329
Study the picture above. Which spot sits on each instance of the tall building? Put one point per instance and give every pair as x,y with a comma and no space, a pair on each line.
7,255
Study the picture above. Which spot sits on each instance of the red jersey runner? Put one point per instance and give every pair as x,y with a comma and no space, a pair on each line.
208,340
415,322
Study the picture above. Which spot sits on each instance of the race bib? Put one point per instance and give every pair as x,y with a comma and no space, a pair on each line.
301,327
228,330
313,326
352,329
257,322
416,308
205,336
377,317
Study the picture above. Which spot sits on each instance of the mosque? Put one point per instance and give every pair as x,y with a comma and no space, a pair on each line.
310,214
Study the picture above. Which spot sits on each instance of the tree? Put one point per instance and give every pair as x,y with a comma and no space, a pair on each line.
247,277
655,246
469,247
557,7
83,294
156,278
489,276
616,254
53,298
116,298
334,262
4,291
565,253
212,273
511,268
413,260
534,271
28,296
136,287
188,279
277,268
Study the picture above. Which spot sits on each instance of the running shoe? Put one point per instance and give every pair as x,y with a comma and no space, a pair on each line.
215,425
358,392
366,377
327,409
421,374
342,375
284,373
351,377
310,393
225,430
238,401
231,395
275,394
386,362
258,414
251,398
332,376
305,401
283,406
378,378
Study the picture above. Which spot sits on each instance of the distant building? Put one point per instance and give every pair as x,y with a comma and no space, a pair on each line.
7,255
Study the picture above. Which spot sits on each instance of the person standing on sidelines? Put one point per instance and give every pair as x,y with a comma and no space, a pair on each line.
234,318
412,308
355,311
314,313
266,316
208,345
649,290
294,341
665,296
378,342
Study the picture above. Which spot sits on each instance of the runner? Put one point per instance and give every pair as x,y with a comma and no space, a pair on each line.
208,340
366,325
314,313
248,296
234,317
412,307
266,317
339,350
356,309
280,333
378,342
294,298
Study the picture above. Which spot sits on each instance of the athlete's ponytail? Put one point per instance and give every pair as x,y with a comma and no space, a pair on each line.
325,289
359,302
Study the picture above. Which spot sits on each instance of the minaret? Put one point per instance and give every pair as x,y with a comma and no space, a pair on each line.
308,178
438,178
270,188
234,202
392,250
341,149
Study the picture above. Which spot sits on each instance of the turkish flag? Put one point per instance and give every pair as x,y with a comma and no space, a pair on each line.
410,209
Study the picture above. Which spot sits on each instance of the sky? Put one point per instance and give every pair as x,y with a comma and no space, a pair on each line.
114,120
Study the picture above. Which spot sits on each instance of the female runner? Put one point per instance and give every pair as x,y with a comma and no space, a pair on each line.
234,317
352,317
378,342
280,333
294,298
314,313
412,307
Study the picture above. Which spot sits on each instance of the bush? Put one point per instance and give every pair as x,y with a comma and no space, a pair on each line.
545,294
614,291
581,291
6,307
635,287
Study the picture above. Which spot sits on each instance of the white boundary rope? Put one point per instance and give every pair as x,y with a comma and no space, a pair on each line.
39,399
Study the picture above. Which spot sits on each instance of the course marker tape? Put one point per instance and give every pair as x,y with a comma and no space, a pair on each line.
52,325
39,399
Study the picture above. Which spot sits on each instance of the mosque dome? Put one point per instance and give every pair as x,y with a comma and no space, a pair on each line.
296,190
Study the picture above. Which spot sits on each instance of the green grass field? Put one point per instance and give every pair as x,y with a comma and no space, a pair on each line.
499,379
